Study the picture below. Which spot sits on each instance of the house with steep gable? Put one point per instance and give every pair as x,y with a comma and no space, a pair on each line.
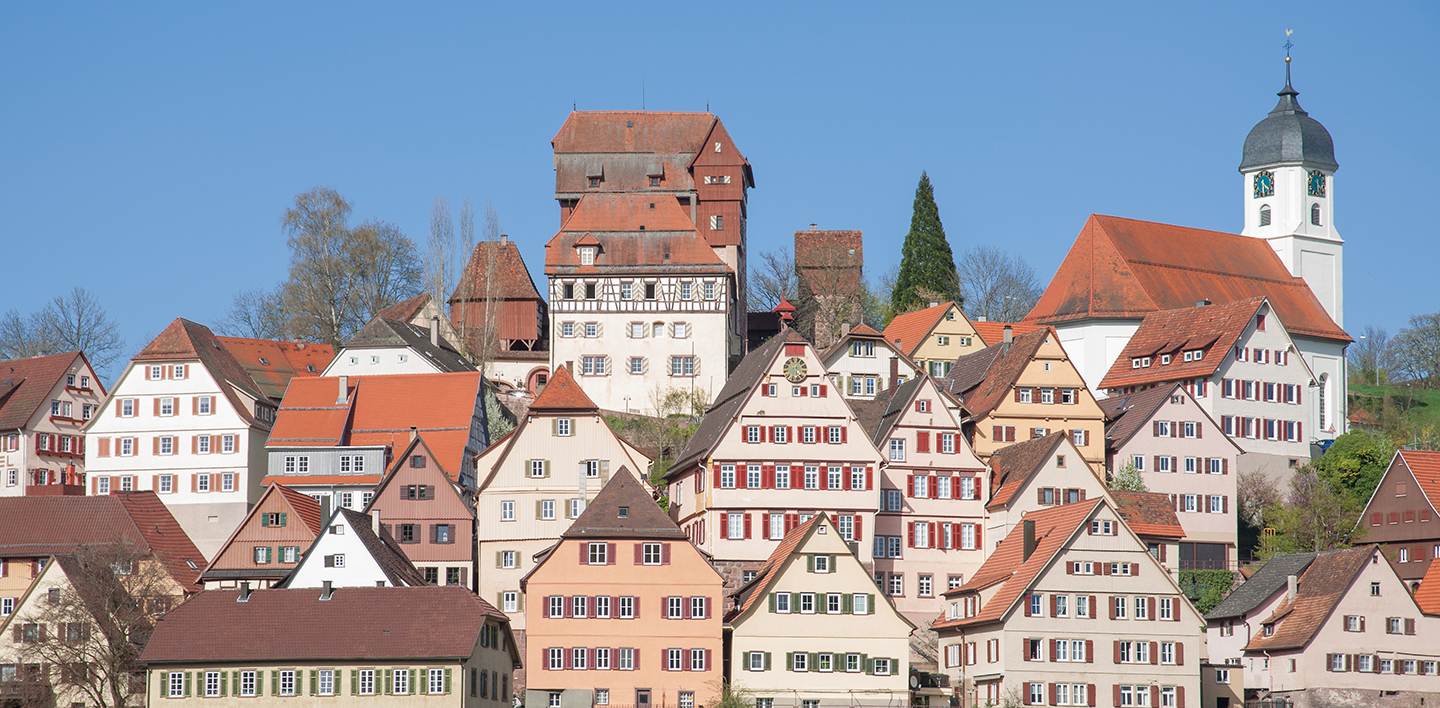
1040,621
934,337
862,363
430,515
188,419
623,573
335,436
385,346
1401,514
773,450
269,543
1036,474
421,312
1180,451
1346,630
438,647
1026,387
1236,620
45,402
353,551
537,480
929,529
1241,366
811,630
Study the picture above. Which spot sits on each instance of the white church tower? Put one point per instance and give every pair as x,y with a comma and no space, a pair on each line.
1289,168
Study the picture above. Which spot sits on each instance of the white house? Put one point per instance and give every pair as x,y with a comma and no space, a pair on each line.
863,363
386,346
354,551
44,402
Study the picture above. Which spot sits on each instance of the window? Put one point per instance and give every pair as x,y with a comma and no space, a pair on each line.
709,290
897,584
562,427
324,683
1037,694
1082,606
679,330
593,365
437,681
177,684
821,563
1375,589
736,526
897,450
682,366
402,682
717,222
247,683
227,443
799,661
567,329
287,682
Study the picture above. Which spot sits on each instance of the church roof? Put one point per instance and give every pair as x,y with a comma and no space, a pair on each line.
1125,269
1288,136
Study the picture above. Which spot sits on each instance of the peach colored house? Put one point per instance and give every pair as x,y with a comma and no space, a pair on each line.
1345,631
811,629
268,544
623,610
929,531
777,447
1181,452
934,337
1026,387
429,515
1041,624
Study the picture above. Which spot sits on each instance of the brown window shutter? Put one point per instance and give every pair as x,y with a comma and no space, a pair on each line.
155,483
1152,606
1174,428
1154,695
1094,608
194,405
1090,689
1117,693
1134,571
1111,602
194,444
1054,605
1154,428
214,443
1090,648
1054,696
1017,394
157,406
155,445
1199,429
1179,653
1053,654
1069,568
1174,464
1154,647
1026,600
1179,694
1025,650
1116,647
194,483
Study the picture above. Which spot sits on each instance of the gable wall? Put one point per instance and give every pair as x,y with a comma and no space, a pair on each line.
1402,521
1084,414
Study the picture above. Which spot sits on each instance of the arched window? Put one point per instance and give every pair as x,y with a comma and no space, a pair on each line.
1324,399
1264,214
1315,214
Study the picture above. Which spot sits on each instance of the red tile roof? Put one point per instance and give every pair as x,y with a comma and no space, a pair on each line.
509,278
1428,596
908,331
983,379
1321,587
356,623
864,330
1425,466
626,148
1212,328
1013,465
25,384
1054,527
380,410
634,231
1148,513
302,506
185,340
994,332
42,526
1124,268
271,364
405,309
562,394
749,594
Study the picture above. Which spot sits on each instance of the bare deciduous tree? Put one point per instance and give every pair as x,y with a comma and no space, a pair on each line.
998,286
75,321
339,276
1371,355
925,642
92,629
1316,516
1417,350
440,252
772,279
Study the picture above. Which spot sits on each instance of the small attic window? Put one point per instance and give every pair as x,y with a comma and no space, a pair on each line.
310,368
587,255
1145,362
417,461
624,512
264,361
1164,359
949,316
629,124
594,182
1135,362
654,180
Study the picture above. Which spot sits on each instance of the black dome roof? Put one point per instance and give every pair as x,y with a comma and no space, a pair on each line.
1289,135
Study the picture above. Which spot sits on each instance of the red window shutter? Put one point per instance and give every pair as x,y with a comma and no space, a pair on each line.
1054,608
94,489
1026,599
869,478
747,525
1111,602
767,476
1069,568
789,433
716,467
1090,646
1180,653
1116,644
1134,571
639,555
724,525
104,450
765,433
764,390
584,551
1154,646
910,534
922,441
930,531
1017,394
1054,693
910,485
824,391
664,554
844,433
858,518
934,486
978,543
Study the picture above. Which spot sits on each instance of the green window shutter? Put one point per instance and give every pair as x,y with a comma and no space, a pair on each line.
187,683
282,518
354,682
554,426
772,602
235,682
259,683
414,679
264,520
314,682
447,680
224,683
537,508
868,664
767,661
274,683
814,661
789,661
389,681
520,602
870,604
831,564
845,605
809,563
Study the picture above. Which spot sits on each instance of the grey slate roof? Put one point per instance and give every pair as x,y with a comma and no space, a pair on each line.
1288,135
643,517
1261,586
382,332
899,399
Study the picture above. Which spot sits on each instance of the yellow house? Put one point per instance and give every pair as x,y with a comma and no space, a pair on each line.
812,629
1027,387
934,337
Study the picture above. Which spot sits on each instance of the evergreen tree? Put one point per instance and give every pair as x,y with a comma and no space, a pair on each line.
927,266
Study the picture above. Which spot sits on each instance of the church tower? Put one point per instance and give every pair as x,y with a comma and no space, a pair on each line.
1289,171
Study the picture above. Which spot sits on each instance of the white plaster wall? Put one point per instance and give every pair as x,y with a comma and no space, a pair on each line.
377,361
1093,346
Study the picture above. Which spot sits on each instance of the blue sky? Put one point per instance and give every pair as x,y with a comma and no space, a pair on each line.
149,150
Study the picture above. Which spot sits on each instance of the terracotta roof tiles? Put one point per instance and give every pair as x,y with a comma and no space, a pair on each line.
1002,370
1125,268
1214,329
1428,596
271,364
1013,465
563,393
1425,466
1148,513
405,310
771,570
1321,587
25,385
994,332
907,331
42,526
508,276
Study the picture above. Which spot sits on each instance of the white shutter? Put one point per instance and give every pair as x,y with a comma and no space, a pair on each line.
599,329
645,365
697,366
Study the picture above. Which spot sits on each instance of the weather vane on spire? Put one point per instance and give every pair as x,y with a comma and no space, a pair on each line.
1288,45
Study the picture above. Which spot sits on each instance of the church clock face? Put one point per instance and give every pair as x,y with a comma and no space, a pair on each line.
1264,184
795,369
1315,185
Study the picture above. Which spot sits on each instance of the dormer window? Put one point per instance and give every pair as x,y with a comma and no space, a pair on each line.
1164,359
624,512
594,182
1135,362
587,255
